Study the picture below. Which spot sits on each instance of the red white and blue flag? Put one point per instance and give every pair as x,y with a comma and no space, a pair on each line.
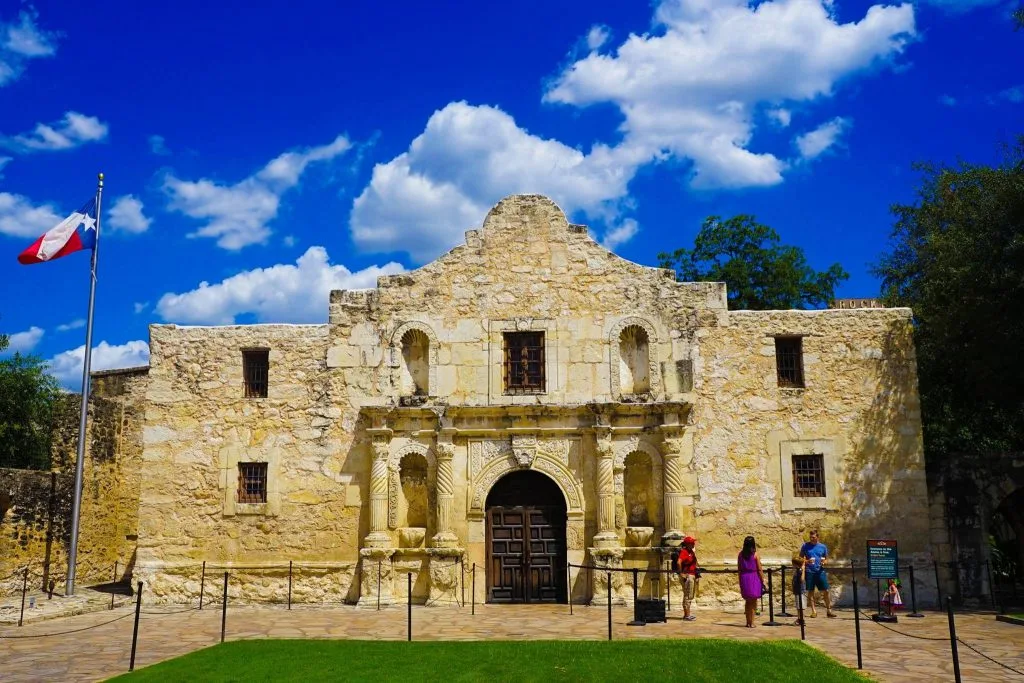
74,233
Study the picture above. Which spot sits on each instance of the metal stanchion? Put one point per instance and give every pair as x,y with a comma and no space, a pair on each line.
856,622
24,590
473,589
878,596
224,609
913,596
378,584
771,602
952,639
800,612
408,606
290,584
462,580
135,630
111,588
202,585
668,587
784,613
568,581
609,605
635,621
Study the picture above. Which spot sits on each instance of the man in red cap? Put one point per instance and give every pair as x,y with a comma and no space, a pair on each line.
687,567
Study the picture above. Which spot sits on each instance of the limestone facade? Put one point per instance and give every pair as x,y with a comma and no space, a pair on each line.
655,410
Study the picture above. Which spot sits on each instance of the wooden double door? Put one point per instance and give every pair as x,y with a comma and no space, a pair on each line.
526,554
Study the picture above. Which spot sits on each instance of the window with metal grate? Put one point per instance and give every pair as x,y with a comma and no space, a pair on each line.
252,482
809,476
789,361
523,368
255,372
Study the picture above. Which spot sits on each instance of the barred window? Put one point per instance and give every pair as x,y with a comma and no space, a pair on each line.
789,361
524,363
809,476
255,368
252,482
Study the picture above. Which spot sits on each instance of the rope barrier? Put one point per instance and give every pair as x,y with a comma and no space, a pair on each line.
64,633
982,654
908,635
180,611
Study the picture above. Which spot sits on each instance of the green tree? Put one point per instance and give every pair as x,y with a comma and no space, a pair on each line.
759,272
28,399
957,259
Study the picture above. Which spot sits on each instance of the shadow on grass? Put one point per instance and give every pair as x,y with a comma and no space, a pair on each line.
694,660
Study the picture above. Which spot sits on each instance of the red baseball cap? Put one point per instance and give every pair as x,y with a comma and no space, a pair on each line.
689,540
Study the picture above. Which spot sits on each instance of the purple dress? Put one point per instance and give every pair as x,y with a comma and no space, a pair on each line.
750,582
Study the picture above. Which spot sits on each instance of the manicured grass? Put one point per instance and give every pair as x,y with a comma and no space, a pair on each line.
652,660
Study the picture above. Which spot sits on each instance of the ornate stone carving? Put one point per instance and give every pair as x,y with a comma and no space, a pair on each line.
476,457
574,535
495,469
445,494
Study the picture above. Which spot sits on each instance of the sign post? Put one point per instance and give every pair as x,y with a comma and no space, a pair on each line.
883,564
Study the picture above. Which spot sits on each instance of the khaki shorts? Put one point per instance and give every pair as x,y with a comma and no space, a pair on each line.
688,581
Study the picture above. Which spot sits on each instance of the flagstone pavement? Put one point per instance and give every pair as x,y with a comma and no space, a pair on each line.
96,646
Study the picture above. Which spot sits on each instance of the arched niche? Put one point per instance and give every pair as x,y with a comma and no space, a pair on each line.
647,466
638,490
633,359
396,494
413,359
414,499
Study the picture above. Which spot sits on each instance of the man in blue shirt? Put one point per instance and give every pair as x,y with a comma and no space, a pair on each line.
815,554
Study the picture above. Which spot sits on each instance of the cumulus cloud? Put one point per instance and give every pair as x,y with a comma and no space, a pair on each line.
818,141
691,87
73,325
126,215
20,41
620,234
284,293
158,146
23,342
597,36
239,215
780,116
74,130
67,366
20,217
468,158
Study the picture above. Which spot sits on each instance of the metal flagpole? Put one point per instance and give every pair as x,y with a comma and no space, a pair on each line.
80,461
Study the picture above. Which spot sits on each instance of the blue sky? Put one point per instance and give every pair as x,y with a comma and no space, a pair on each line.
257,158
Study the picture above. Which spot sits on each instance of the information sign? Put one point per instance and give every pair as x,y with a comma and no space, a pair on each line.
883,559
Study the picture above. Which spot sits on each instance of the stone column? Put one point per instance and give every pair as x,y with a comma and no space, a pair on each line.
379,536
606,535
673,497
680,485
445,538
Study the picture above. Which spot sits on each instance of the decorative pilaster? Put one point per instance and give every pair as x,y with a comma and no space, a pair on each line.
673,497
606,535
379,536
376,575
445,537
680,484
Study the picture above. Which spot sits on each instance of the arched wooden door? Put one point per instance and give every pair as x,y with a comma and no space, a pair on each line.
526,540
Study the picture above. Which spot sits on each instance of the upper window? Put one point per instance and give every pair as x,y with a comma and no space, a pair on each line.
255,367
252,482
789,361
809,476
634,361
524,363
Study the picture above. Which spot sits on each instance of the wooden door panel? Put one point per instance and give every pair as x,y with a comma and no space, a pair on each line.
527,554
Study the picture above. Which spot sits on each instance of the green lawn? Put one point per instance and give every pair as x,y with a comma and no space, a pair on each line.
652,660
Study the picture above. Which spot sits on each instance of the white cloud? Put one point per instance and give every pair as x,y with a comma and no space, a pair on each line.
947,100
73,325
783,117
284,293
288,240
238,215
1014,94
67,366
23,342
158,146
691,87
126,214
140,306
21,41
19,217
620,234
468,158
74,130
818,141
597,36
3,162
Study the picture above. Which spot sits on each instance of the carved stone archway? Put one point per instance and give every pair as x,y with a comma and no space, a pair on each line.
395,353
394,485
654,371
622,450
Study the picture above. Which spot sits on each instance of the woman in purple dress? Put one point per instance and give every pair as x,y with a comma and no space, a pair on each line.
751,577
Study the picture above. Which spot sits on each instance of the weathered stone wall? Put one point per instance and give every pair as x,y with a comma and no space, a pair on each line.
35,530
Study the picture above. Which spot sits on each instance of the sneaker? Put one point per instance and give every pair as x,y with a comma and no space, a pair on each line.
690,618
814,615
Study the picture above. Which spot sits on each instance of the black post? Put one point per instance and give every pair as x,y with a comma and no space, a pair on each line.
408,603
609,605
462,580
784,613
202,585
111,588
913,596
800,611
378,584
24,590
771,602
568,581
224,609
938,584
991,586
952,639
856,622
473,589
668,587
290,585
135,631
878,595
636,574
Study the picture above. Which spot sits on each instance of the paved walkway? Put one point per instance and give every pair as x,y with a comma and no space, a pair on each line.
102,649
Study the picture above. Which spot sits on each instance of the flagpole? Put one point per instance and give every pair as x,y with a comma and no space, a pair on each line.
80,461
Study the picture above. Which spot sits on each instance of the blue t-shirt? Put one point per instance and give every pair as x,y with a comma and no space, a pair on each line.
815,552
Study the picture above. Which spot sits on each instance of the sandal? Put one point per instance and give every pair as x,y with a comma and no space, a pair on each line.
690,618
831,615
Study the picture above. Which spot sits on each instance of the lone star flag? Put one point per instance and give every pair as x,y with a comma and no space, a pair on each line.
74,233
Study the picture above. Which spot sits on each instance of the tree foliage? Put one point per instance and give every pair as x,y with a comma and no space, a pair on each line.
957,259
28,401
759,272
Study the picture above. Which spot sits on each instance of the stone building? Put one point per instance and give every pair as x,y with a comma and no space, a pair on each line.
527,399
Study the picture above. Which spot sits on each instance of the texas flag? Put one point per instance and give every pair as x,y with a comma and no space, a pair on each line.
74,233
